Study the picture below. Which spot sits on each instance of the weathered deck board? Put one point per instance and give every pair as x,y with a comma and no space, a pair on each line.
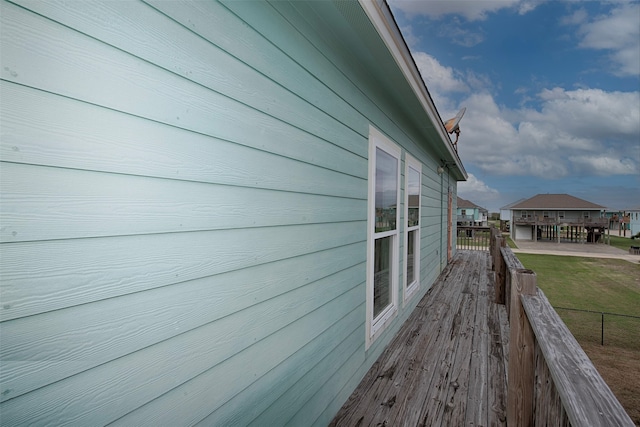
497,369
445,366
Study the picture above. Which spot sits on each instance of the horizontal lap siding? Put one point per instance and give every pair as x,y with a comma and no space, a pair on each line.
173,218
139,205
46,129
184,205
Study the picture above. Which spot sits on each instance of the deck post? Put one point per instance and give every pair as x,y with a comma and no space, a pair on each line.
499,268
493,234
520,388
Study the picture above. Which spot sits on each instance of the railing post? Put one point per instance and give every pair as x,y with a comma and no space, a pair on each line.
601,328
492,244
499,268
521,377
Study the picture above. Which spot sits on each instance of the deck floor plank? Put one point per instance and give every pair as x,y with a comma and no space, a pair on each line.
409,411
427,388
477,398
497,367
445,366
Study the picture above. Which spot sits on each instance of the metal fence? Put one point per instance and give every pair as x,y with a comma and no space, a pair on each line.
611,329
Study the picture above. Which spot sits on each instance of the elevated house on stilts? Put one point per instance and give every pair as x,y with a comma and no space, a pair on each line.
558,217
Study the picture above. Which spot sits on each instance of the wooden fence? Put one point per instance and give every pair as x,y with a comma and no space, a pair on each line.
551,381
473,238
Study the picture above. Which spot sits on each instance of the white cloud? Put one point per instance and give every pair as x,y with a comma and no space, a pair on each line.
578,17
472,10
593,113
617,32
409,36
618,28
580,132
460,35
437,76
604,165
473,184
476,190
440,80
527,6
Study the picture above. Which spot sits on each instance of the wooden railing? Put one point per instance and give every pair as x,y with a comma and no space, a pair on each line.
473,238
551,381
585,222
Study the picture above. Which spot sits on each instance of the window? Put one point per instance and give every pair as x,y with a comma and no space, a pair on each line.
585,214
383,234
463,212
561,214
412,190
545,214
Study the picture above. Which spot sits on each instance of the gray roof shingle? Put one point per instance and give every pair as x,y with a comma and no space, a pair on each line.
556,201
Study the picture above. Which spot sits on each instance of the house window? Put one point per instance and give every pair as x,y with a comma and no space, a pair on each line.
383,235
545,214
561,214
585,214
463,212
524,214
412,190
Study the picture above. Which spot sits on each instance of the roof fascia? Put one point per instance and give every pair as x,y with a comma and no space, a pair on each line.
380,16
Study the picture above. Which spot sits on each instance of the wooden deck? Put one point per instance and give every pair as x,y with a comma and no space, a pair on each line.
447,365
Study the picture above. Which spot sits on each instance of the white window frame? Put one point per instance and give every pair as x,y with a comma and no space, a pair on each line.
375,326
409,289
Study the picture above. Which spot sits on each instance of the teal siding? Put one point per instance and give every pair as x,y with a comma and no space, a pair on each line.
184,209
634,221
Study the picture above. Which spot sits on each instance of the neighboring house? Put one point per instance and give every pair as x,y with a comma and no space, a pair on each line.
618,221
556,217
468,213
634,220
212,212
505,215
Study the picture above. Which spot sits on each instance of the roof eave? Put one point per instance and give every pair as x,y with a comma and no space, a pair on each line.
382,19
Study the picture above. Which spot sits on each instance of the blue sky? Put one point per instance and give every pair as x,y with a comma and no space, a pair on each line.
552,91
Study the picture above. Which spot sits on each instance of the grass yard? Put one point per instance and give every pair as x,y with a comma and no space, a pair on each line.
596,284
623,242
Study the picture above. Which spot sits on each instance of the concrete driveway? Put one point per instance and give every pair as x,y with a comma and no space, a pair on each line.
593,250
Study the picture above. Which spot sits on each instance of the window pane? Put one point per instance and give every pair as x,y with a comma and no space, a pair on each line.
386,191
382,275
414,198
411,262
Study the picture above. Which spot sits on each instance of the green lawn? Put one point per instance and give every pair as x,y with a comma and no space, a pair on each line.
587,283
623,242
600,285
607,285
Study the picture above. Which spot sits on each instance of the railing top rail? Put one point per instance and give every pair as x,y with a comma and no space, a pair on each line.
510,259
562,221
586,397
